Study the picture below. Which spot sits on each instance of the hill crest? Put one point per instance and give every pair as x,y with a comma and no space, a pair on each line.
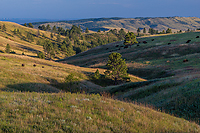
131,24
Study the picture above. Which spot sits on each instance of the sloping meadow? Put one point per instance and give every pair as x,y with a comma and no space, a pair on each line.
66,112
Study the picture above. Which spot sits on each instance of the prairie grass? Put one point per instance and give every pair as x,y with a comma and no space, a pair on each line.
46,76
178,95
149,60
66,112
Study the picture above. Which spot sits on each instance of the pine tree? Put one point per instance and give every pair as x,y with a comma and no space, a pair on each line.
43,28
122,34
97,74
138,30
54,29
130,39
87,30
4,27
144,30
70,50
7,48
58,38
116,67
152,31
48,27
30,37
38,33
163,32
25,25
30,25
169,30
48,48
51,35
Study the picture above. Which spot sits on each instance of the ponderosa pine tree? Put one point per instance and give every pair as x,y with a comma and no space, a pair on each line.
122,34
87,30
144,30
116,67
97,74
48,48
58,38
4,27
130,39
48,28
30,25
168,31
51,35
54,29
7,48
70,50
138,30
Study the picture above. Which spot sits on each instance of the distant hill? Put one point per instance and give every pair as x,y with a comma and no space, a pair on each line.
131,24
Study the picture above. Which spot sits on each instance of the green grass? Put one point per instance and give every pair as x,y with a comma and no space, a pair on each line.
178,96
149,60
176,91
66,112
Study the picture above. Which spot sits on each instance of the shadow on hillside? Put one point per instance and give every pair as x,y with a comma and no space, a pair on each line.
152,73
31,87
53,86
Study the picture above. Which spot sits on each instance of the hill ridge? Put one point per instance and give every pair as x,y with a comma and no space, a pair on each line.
132,24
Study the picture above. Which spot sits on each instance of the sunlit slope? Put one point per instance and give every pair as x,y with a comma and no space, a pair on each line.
19,42
45,76
66,112
130,24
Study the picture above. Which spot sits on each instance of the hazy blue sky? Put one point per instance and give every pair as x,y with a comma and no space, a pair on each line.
69,9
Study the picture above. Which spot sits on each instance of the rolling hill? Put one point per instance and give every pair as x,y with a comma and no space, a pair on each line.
168,63
131,24
35,96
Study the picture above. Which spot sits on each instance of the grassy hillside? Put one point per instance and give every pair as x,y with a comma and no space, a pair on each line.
46,76
18,43
152,60
178,95
30,41
66,112
33,98
172,86
131,24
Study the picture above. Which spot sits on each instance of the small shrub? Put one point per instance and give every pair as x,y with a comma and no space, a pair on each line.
41,55
13,52
70,80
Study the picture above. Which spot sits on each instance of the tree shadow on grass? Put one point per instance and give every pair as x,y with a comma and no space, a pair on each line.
32,87
53,86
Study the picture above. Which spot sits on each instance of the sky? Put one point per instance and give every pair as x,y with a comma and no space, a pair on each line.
80,9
